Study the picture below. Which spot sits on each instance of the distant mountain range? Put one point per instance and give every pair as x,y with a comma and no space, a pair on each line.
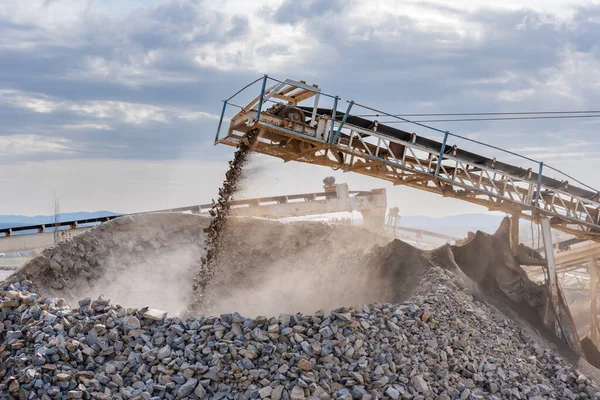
11,221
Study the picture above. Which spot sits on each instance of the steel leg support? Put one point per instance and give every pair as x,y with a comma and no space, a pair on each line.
552,279
594,301
514,235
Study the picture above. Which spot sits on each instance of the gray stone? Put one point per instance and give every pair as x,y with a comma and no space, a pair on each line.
13,335
130,323
200,391
164,352
277,392
393,393
187,388
419,383
445,345
265,392
110,368
297,393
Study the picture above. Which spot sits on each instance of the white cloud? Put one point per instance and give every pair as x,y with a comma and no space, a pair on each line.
121,111
195,115
563,9
136,71
575,77
266,47
87,126
38,103
16,145
503,78
515,95
130,113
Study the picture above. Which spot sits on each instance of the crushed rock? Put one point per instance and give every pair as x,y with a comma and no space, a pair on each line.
442,348
457,322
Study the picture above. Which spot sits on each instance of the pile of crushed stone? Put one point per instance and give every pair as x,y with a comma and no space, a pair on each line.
265,267
131,260
441,344
488,319
151,260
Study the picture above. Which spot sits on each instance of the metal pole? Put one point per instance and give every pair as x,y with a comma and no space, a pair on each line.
539,185
594,301
335,101
220,121
313,117
339,129
262,95
439,163
514,235
552,282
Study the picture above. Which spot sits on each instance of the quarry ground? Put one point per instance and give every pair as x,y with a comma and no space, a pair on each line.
296,310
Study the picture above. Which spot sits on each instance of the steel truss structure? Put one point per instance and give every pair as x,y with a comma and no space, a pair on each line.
340,140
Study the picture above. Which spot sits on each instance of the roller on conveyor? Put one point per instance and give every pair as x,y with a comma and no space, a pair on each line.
294,127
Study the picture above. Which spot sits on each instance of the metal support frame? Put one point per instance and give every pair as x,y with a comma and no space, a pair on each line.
260,99
514,234
368,151
539,185
441,156
594,301
220,121
552,282
341,125
333,112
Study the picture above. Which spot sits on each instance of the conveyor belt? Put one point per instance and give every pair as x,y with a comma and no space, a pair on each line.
473,158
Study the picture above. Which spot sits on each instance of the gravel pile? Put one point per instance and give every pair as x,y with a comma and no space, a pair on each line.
146,259
442,344
266,267
433,329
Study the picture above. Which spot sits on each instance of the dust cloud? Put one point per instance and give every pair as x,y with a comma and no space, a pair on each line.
265,267
269,268
140,260
158,281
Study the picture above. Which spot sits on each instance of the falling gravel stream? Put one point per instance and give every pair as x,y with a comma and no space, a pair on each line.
219,213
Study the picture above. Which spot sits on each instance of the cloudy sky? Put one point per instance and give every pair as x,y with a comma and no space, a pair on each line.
113,104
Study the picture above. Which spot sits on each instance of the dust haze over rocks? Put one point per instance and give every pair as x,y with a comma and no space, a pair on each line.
135,260
268,268
151,259
456,322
